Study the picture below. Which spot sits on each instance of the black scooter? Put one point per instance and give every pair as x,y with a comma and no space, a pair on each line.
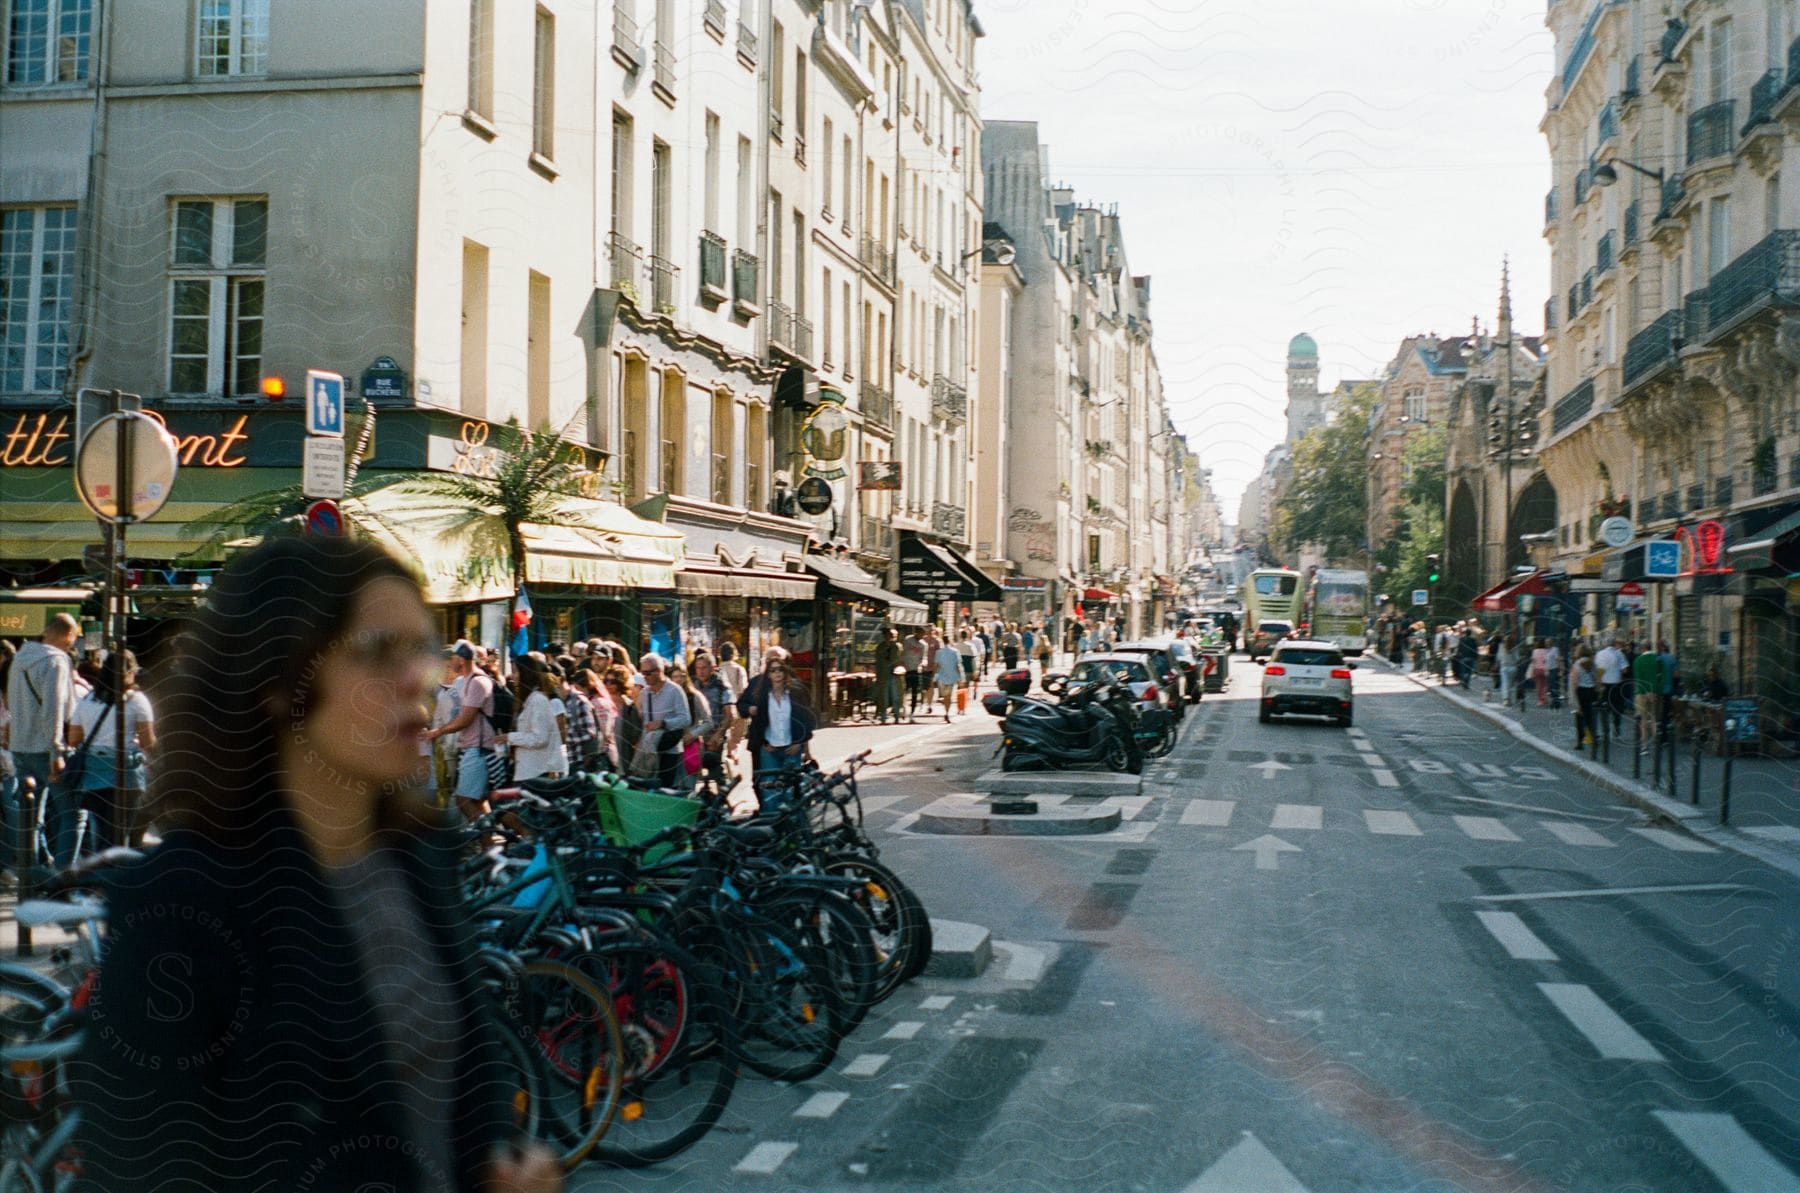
1094,724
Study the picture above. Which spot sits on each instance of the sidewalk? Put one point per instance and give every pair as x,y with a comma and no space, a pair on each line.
1765,792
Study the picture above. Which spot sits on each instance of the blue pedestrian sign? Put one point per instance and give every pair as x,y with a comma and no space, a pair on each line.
1662,559
324,403
1421,596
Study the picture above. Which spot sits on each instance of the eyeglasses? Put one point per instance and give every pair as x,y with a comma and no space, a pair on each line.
385,650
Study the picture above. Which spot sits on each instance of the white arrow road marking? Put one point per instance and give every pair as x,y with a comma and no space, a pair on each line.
1576,834
1390,823
1298,816
1269,768
1267,849
765,1158
1610,1035
1718,1141
1212,813
1428,766
1484,828
1675,841
1248,1167
1520,942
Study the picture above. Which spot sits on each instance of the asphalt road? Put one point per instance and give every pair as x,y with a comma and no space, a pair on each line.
1410,956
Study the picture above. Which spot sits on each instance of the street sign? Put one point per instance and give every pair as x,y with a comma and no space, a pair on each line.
1629,598
1741,723
1662,559
324,403
1421,596
324,519
1616,531
322,468
384,379
150,450
813,496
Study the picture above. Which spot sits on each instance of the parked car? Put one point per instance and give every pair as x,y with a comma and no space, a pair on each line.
1267,634
1303,676
1176,661
1133,670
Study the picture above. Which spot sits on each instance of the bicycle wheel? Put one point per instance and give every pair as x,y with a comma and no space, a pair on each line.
678,1068
524,1085
566,1024
843,936
789,1014
892,912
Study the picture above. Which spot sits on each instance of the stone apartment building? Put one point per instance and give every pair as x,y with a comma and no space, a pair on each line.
1675,268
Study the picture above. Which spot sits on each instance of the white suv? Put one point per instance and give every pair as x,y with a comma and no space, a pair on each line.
1306,677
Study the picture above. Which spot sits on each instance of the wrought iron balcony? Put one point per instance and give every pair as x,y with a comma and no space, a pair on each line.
781,326
1722,491
1673,192
1549,314
877,405
1584,184
627,264
1696,495
1671,38
1793,63
799,147
1574,406
746,279
1603,254
1763,94
803,337
1550,206
1768,275
877,537
626,46
1652,350
663,276
1633,77
1696,319
949,403
1670,506
948,520
712,265
1587,288
1608,126
1574,301
1710,131
663,59
878,259
1631,225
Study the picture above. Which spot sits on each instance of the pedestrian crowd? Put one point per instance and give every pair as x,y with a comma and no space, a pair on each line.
931,668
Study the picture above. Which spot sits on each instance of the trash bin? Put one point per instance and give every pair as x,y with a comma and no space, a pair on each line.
1219,668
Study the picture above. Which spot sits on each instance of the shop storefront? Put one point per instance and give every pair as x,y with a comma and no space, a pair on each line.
833,636
944,580
738,571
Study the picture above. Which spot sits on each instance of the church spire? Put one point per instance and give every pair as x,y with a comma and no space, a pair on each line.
1504,330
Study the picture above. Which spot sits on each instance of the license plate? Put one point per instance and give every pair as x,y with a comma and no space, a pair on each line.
1308,683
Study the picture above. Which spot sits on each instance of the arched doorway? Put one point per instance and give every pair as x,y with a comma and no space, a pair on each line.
1462,549
1533,512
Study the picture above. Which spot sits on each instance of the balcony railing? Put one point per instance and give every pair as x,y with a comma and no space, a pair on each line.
1673,192
1574,406
950,403
1709,131
721,478
1584,183
1631,225
663,276
627,263
803,337
877,537
1652,349
746,279
1767,275
625,41
1603,254
1763,476
1696,495
1587,288
1581,50
1793,61
1794,470
877,406
1574,301
1696,319
1722,491
1550,206
878,258
1549,314
1632,80
781,325
1608,127
712,264
746,41
1763,94
1670,506
948,520
663,59
1672,35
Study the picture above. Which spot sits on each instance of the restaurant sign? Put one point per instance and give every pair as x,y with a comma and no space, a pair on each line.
46,439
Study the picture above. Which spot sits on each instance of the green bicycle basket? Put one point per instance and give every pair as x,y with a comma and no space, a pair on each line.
631,817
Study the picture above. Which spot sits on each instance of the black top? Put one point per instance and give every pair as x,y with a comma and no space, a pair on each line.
233,1041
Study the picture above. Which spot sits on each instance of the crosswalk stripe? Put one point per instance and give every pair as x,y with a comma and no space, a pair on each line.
1610,1035
823,1104
1520,942
1675,841
1385,778
866,1065
1576,834
765,1158
1298,816
1484,828
937,1002
1213,813
1729,1152
1390,823
903,1031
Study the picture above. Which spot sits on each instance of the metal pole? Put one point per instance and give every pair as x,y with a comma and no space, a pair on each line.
1728,748
1695,798
1669,736
123,508
1637,747
27,853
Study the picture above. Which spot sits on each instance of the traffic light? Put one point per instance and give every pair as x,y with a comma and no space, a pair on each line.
1431,568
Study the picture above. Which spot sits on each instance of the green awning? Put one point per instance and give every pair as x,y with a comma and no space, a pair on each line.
1758,555
24,612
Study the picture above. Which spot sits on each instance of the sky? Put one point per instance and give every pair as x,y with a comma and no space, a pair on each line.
1355,169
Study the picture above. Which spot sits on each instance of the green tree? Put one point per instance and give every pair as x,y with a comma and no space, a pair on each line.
1421,533
1327,501
1423,461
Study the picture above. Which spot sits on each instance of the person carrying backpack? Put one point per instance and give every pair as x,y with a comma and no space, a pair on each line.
487,712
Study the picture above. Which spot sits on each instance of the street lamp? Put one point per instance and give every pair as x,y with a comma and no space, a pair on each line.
1605,173
1004,252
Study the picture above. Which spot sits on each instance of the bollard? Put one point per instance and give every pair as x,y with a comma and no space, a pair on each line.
1656,753
1606,732
24,854
1669,736
1637,747
1696,796
1728,748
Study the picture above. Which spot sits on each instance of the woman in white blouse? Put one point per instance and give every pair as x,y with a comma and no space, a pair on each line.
536,740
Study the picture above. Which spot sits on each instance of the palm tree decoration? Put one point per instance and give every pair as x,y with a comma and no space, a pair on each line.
530,476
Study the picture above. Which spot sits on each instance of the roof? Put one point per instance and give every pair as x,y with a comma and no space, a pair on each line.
1303,345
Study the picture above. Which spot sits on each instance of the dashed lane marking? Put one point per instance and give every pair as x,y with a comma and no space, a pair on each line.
823,1104
937,1002
1212,813
903,1031
1385,778
866,1065
1484,828
1576,834
1520,942
1373,760
1674,841
1686,888
1298,816
1611,1036
1500,803
1730,1153
1390,823
765,1158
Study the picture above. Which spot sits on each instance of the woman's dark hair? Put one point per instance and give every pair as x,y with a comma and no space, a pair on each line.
244,676
106,684
532,673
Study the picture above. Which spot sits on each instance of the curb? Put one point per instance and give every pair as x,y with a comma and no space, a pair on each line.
1680,815
959,950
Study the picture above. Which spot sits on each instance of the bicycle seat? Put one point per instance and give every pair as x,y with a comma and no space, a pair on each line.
556,789
89,869
749,835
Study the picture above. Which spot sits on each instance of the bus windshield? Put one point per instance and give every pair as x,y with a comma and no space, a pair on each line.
1276,585
1342,600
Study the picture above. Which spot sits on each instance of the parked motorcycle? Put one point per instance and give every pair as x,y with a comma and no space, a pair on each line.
1092,724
